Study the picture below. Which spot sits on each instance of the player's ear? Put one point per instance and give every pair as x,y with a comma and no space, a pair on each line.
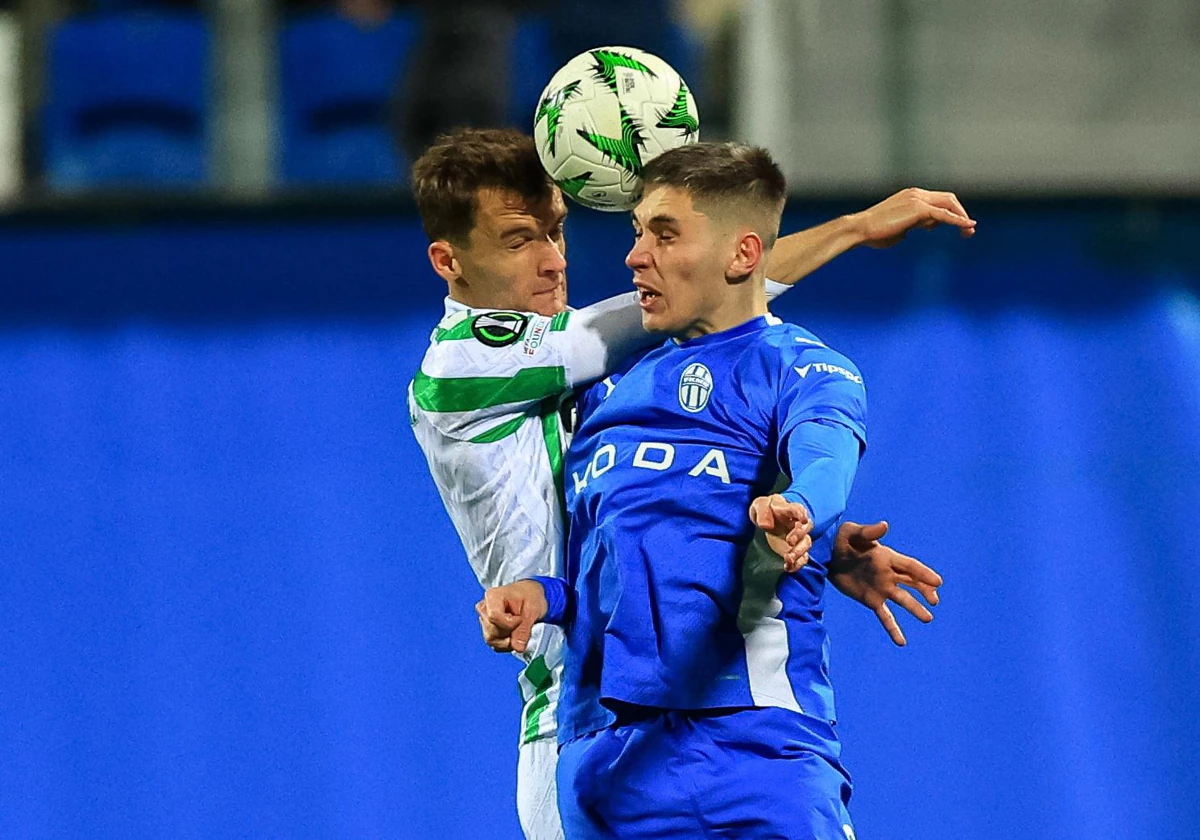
443,260
747,257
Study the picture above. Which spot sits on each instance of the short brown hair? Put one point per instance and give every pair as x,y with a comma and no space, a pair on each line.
447,178
744,177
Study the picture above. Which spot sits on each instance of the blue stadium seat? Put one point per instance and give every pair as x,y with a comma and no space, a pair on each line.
127,5
337,83
533,63
127,101
532,67
683,51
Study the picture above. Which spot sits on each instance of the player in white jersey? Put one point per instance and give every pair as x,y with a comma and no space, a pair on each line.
490,403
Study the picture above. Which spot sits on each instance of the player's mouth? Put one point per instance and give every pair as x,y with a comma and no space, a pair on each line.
647,296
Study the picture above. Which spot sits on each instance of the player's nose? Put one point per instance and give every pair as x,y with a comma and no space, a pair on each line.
638,256
555,261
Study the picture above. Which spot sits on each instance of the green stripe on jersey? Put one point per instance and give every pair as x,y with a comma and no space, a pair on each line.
473,393
552,435
500,432
559,322
540,679
459,332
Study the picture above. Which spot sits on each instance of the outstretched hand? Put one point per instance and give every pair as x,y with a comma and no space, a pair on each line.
507,614
868,571
889,221
787,526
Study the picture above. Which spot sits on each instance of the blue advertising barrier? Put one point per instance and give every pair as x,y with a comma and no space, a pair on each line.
232,606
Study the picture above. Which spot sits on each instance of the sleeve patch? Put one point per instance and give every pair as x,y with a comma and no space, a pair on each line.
535,333
499,329
821,367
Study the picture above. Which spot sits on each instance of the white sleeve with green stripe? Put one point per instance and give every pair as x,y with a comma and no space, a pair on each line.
485,410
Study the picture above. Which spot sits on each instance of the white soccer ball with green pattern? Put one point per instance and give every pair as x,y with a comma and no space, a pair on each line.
603,116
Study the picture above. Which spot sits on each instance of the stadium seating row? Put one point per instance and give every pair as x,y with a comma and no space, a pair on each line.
129,101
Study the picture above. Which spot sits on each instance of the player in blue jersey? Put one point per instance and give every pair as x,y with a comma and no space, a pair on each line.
696,698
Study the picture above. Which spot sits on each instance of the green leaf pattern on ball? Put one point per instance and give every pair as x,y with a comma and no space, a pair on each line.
624,152
551,107
679,117
607,62
572,186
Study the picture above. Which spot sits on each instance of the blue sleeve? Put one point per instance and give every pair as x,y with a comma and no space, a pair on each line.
824,458
558,599
822,432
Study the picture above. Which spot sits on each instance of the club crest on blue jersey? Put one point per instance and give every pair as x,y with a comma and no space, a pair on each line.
695,387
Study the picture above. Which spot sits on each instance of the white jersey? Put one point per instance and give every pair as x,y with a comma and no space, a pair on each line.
485,408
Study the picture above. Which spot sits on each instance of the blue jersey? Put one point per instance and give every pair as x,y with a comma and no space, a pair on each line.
677,601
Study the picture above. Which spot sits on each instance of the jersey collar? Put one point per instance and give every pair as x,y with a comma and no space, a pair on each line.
753,325
453,306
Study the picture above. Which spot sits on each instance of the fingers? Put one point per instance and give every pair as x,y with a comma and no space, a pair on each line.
497,610
493,636
912,572
760,513
521,634
795,556
918,571
929,593
794,563
890,625
795,518
498,623
949,201
863,537
787,527
944,208
905,599
781,508
949,217
775,514
874,532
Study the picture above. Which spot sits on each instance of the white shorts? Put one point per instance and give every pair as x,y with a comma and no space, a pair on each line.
537,790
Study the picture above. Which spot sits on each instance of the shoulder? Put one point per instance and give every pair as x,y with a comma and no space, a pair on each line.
792,346
488,342
492,327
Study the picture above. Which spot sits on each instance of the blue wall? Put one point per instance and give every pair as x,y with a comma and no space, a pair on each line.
231,605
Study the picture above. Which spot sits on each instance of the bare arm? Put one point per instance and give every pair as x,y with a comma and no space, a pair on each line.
797,255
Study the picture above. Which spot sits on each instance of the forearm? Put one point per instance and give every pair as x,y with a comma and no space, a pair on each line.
797,255
824,459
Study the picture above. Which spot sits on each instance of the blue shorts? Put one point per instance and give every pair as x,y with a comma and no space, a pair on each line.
748,774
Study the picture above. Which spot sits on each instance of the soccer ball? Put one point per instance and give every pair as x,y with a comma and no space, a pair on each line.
603,116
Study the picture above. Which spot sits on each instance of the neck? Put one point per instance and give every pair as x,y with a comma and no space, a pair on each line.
469,297
739,303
